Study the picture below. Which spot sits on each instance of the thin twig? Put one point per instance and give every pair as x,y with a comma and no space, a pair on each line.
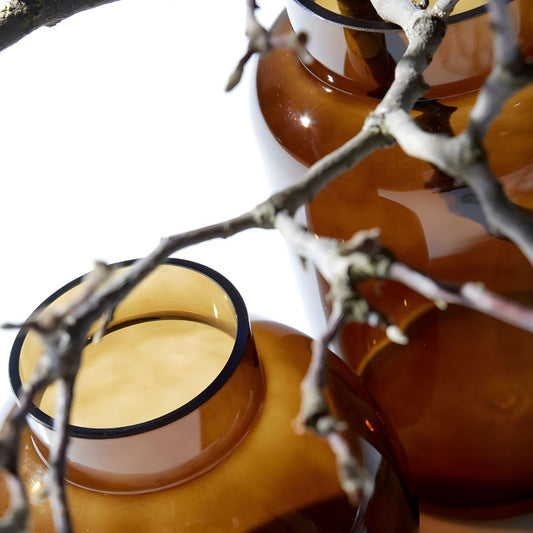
55,481
316,417
509,74
18,18
262,40
343,264
463,157
472,295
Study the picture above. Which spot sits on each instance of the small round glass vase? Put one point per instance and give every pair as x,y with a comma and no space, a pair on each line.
182,421
460,393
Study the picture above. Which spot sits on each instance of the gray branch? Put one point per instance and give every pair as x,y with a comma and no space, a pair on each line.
19,18
343,264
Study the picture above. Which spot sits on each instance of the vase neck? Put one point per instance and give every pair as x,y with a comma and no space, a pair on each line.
361,60
173,453
170,390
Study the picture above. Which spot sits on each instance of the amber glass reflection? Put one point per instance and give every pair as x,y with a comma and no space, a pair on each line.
460,394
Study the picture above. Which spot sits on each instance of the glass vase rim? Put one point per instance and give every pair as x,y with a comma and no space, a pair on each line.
241,339
379,25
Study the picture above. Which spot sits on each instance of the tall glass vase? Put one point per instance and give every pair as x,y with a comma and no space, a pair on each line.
460,394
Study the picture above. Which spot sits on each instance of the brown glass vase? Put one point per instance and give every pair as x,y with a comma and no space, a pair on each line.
460,394
226,460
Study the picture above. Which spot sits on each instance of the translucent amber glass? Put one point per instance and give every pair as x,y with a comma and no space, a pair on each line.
231,461
460,393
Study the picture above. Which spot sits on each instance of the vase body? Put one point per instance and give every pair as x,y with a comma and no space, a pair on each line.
253,474
460,393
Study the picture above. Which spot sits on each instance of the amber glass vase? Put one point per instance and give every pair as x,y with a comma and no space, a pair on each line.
224,456
460,394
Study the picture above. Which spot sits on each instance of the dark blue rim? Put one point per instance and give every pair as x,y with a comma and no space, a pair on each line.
376,25
241,340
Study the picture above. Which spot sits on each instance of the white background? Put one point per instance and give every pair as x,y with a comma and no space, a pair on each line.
115,131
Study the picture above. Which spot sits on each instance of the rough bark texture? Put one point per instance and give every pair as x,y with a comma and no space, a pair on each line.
19,18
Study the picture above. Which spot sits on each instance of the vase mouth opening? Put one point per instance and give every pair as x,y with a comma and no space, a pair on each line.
234,324
322,9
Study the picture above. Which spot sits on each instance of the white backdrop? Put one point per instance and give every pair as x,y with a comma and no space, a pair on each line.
115,131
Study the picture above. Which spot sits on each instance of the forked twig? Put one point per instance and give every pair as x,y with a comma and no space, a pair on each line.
262,40
343,264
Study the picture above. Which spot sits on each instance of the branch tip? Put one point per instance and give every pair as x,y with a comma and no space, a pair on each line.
396,335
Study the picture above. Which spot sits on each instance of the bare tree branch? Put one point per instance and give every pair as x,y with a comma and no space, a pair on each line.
472,295
343,268
261,40
343,264
463,157
19,18
316,417
368,140
510,73
58,446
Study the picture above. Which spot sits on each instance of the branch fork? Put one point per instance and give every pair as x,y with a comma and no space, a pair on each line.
344,264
